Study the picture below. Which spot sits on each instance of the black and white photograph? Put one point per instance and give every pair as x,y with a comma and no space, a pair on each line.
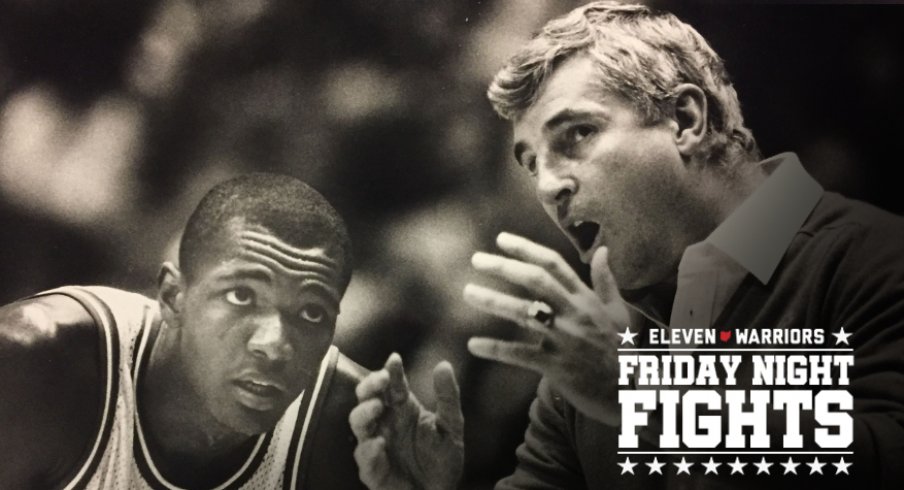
451,245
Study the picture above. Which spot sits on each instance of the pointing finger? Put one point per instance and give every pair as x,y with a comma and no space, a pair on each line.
398,383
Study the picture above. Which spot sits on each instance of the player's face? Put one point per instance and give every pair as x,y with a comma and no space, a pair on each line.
256,322
603,176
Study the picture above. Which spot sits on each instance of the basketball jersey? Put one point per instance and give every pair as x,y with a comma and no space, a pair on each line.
119,458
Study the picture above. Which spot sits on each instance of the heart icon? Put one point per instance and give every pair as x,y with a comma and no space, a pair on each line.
725,336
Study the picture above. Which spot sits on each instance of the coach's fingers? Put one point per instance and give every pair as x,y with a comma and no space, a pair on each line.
373,462
528,251
520,354
601,276
503,305
374,384
398,392
514,309
538,281
364,418
448,400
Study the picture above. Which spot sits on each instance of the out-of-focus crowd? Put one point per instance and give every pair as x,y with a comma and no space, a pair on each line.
115,117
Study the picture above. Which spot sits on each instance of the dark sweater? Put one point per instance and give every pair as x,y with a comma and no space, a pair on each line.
844,267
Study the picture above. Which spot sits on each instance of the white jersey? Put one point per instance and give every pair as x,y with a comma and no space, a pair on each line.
119,458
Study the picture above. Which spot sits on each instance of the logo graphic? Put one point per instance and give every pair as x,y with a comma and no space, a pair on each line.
735,402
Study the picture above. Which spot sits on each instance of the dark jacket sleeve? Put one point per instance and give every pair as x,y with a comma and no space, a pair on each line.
866,297
546,458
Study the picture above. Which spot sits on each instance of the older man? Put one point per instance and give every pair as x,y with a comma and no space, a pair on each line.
627,122
227,380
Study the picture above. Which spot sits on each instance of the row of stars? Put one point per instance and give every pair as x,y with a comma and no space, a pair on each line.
627,337
738,467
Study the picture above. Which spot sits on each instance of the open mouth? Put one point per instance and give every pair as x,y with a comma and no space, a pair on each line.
264,390
257,395
585,233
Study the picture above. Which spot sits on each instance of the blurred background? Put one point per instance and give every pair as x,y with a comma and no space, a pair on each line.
116,117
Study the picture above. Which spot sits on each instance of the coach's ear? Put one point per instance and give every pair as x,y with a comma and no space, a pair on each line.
690,116
170,293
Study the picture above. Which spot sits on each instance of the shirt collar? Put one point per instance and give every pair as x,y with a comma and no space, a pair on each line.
758,233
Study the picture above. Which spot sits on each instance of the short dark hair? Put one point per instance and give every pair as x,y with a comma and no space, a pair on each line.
286,206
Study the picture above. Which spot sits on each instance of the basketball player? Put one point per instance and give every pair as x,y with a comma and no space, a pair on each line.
227,380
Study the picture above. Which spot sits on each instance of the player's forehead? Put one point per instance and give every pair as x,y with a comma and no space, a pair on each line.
253,252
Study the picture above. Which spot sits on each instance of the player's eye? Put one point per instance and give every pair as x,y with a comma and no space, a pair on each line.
240,296
312,313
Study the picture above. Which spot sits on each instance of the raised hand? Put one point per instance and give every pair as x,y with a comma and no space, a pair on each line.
401,444
577,349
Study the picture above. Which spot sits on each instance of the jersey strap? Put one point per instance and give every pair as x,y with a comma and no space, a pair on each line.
308,414
109,351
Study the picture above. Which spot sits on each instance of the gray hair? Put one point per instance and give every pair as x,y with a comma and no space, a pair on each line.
641,55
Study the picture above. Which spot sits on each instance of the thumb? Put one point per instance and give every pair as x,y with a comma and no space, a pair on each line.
601,276
448,400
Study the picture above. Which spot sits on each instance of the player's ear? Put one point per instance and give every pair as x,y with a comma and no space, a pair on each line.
170,293
690,117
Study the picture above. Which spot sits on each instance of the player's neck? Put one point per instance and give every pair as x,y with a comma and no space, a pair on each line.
186,443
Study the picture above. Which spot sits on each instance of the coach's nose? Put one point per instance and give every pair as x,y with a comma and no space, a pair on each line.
554,183
270,339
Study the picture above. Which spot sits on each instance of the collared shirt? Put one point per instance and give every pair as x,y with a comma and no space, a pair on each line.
751,240
843,268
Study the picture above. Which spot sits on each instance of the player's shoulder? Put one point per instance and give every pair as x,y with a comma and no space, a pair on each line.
340,392
338,386
330,464
40,322
349,370
50,353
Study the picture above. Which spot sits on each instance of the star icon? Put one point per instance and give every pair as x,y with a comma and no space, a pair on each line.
684,466
841,336
655,466
790,466
762,466
737,466
627,466
842,467
627,336
816,466
711,466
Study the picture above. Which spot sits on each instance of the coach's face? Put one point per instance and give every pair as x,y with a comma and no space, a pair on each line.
255,324
604,177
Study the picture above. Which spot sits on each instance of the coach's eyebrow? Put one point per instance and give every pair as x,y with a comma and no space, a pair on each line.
564,116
